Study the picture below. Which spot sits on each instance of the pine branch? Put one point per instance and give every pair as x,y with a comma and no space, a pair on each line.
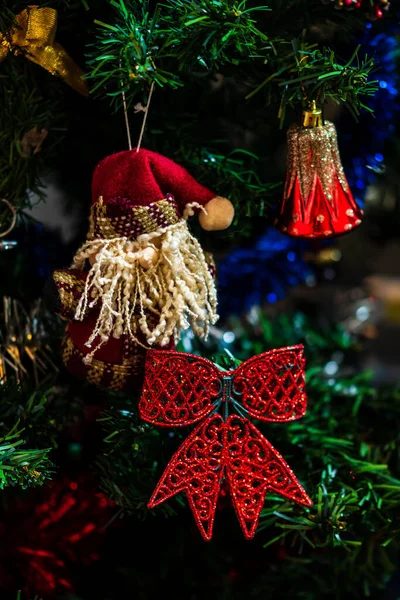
130,54
234,175
25,427
129,462
24,108
307,73
125,57
211,33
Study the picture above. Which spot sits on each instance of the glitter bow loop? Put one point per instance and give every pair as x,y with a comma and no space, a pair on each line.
34,36
181,389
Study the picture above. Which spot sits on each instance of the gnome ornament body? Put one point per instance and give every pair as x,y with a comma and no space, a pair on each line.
141,276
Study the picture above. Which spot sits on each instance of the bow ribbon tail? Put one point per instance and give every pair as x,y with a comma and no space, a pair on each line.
58,62
34,36
196,469
254,467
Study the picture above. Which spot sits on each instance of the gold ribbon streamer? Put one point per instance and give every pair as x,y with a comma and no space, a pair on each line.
34,36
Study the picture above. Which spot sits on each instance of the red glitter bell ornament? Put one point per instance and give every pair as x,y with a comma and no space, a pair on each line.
317,202
141,276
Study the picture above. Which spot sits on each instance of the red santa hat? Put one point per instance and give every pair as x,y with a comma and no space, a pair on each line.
135,193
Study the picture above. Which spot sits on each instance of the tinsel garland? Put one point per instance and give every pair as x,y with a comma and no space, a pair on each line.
263,272
364,156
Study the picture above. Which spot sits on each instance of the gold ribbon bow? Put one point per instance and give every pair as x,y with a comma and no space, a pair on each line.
33,35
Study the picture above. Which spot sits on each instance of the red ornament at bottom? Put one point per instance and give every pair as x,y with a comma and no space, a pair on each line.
181,389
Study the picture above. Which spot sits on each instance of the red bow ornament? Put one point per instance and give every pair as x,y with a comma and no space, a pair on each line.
181,389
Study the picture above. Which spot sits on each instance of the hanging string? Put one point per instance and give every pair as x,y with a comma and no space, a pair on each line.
128,132
146,110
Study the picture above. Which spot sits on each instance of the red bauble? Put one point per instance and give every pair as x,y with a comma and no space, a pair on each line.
48,531
181,389
318,202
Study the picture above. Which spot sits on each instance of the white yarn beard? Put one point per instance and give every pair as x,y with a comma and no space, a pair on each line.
176,293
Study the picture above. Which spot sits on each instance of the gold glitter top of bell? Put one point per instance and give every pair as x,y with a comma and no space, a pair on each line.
313,153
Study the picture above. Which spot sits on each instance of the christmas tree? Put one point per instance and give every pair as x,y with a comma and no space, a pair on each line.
198,255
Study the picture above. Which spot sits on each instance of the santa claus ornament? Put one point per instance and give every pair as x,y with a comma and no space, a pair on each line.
141,276
317,202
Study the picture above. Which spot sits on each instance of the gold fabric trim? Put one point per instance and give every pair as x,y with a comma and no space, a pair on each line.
144,219
168,211
67,283
99,222
120,373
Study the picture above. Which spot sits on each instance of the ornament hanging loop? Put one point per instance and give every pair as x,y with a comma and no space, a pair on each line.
13,218
312,117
